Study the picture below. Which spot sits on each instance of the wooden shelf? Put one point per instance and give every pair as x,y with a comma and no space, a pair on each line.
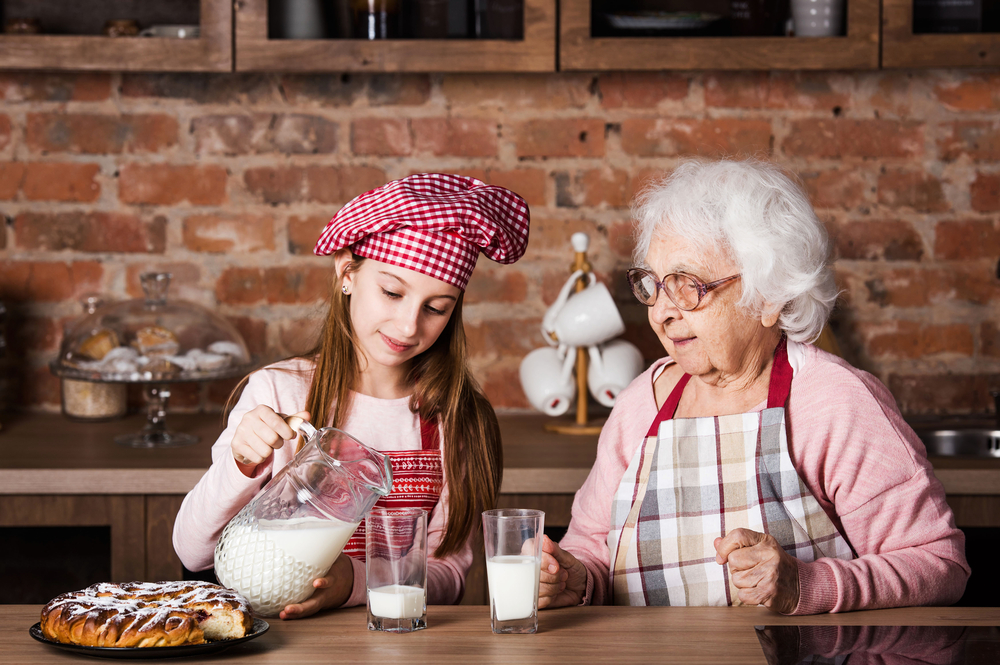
212,51
903,49
251,50
535,53
859,49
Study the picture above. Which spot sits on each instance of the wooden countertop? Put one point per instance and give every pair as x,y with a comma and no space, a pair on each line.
462,634
48,454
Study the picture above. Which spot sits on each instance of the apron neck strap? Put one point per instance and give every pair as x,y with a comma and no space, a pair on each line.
779,385
429,439
781,376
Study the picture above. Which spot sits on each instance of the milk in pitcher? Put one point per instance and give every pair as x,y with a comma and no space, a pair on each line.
275,563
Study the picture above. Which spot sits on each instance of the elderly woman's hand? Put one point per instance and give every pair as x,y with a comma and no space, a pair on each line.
763,572
563,579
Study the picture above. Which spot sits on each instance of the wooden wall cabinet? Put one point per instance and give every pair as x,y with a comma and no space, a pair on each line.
541,50
578,50
903,49
535,53
211,52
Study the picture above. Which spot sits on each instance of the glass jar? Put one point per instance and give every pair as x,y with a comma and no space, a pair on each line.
92,400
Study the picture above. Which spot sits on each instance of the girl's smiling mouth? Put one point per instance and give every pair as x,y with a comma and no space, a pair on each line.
398,347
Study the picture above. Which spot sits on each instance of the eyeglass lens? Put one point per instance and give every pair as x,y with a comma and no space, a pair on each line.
681,289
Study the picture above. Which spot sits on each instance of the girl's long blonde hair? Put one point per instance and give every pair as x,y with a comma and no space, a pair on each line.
443,388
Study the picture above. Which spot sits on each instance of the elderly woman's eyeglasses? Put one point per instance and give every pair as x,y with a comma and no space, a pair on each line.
683,290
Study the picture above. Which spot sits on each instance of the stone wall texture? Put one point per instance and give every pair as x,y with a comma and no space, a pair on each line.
226,180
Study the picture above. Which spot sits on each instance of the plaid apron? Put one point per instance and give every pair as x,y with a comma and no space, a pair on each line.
417,479
696,479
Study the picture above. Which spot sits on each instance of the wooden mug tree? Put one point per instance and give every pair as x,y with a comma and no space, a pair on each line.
582,425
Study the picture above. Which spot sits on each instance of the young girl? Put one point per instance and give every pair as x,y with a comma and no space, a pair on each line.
391,369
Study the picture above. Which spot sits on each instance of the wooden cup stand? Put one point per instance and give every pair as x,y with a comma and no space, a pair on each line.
582,425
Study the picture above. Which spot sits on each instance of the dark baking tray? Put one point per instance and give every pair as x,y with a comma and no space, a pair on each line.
259,628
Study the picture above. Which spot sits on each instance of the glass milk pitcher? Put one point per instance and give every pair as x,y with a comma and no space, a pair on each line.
295,528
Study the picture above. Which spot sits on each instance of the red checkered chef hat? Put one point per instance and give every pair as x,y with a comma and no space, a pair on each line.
434,223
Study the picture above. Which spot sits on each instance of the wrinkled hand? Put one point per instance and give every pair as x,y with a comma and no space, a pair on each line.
762,571
261,431
332,590
563,579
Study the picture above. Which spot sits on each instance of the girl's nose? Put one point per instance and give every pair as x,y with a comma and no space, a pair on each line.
408,320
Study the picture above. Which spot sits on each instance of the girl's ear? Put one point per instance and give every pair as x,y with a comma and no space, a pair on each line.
341,259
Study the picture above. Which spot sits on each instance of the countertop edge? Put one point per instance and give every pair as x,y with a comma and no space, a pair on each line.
181,481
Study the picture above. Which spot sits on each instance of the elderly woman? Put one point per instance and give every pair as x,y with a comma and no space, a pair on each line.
750,467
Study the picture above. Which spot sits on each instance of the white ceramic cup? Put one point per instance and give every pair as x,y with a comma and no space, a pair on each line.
818,18
588,318
549,320
172,31
612,367
547,380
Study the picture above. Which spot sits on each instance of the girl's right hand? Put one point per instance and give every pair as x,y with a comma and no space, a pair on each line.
260,433
563,579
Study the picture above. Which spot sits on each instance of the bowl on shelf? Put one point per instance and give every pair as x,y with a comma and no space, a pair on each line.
979,442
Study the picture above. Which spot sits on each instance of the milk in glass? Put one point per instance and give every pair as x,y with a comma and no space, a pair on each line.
513,582
397,601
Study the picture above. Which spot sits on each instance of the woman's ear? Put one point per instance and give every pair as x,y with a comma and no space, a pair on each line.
770,315
341,259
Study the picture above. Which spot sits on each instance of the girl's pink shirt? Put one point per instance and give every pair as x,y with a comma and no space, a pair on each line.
858,457
385,425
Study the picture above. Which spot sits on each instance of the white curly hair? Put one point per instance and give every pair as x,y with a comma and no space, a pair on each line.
762,219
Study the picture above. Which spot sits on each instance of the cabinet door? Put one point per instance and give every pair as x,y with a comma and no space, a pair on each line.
210,51
901,48
256,50
579,49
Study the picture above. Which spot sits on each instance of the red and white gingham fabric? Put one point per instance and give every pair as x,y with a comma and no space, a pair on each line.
434,223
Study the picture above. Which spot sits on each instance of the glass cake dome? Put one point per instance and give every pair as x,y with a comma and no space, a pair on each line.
157,342
151,339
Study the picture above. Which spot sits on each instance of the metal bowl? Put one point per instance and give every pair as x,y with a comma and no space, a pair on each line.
962,442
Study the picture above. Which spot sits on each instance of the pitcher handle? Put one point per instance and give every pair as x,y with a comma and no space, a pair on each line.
302,427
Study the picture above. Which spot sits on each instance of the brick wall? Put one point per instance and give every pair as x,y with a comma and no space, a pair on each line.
226,180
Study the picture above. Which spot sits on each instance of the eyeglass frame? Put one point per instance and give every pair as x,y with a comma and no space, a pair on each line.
703,287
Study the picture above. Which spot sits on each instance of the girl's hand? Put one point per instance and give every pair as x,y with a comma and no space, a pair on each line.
333,590
260,433
563,578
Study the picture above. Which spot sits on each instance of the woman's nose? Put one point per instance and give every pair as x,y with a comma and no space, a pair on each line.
664,310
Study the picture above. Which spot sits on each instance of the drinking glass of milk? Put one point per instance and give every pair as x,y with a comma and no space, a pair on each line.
513,539
396,568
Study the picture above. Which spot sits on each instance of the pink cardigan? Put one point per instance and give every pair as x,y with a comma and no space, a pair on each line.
223,490
862,462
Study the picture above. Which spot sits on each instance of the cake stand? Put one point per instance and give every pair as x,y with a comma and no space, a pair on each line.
157,343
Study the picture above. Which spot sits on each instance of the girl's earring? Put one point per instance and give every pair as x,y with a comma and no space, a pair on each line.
344,289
